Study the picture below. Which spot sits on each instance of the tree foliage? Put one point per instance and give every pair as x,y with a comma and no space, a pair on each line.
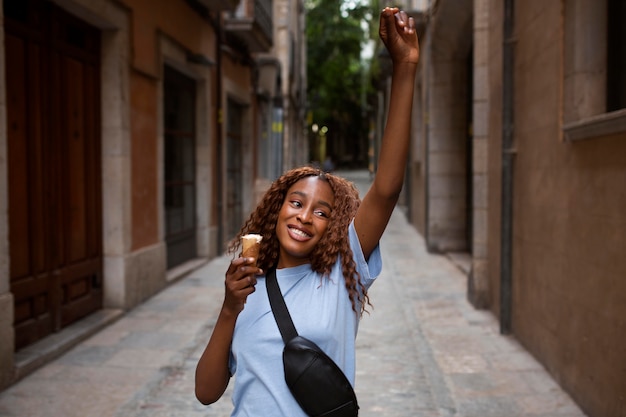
335,73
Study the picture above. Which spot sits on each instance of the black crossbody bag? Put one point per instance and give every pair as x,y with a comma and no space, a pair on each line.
316,382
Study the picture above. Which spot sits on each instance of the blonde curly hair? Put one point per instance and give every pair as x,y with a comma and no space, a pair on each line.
335,242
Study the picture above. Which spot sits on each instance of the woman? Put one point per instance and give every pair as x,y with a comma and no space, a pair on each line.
324,244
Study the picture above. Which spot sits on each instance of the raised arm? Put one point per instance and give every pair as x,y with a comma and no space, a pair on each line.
397,31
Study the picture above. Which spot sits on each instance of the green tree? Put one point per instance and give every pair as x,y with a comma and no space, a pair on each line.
337,76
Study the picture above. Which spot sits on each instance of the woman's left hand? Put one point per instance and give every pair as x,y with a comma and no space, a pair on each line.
397,31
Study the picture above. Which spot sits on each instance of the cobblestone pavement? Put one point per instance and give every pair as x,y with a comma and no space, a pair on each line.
422,352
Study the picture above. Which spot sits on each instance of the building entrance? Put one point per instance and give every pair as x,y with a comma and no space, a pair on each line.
53,130
180,167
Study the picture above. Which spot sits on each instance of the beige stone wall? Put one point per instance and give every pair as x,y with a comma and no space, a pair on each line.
290,49
170,17
417,165
569,229
478,286
237,86
448,99
569,171
494,165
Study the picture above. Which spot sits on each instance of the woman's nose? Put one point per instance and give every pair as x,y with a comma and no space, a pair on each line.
305,216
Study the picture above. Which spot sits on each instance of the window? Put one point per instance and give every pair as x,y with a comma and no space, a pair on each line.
595,69
616,60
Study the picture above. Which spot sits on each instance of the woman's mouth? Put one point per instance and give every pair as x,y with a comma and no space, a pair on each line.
298,234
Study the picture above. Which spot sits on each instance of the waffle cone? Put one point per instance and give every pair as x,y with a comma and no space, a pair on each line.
251,243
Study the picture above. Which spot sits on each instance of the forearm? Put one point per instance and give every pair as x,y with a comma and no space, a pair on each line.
397,31
212,373
396,136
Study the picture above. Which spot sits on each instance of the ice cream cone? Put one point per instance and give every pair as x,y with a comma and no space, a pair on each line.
251,243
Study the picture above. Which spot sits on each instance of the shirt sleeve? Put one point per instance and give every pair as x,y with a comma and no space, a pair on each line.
370,269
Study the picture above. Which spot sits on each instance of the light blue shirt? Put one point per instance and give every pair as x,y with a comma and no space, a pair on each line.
321,311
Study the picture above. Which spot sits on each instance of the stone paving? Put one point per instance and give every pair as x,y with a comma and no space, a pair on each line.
423,351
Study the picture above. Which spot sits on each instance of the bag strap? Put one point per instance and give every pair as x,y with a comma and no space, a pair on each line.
279,308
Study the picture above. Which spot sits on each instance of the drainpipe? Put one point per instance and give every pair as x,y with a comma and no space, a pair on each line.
508,156
426,83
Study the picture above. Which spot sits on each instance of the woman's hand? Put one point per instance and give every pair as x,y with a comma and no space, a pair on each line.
212,373
397,31
240,283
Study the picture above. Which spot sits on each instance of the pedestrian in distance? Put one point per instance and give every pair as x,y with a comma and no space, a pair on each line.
328,165
323,242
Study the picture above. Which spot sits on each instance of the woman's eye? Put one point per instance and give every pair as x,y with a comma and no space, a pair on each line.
321,213
296,204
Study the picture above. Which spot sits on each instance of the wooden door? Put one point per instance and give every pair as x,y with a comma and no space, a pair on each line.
234,169
179,103
52,78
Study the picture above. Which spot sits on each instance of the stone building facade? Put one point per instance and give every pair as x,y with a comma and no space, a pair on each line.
135,137
519,165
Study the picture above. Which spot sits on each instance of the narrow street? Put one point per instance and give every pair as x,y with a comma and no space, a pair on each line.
422,351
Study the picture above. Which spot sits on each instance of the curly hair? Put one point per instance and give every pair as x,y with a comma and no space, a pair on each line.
335,242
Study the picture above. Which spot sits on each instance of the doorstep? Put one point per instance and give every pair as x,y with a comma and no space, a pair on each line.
51,347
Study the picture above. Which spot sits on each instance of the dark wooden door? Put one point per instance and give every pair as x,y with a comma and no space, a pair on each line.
52,78
179,100
234,169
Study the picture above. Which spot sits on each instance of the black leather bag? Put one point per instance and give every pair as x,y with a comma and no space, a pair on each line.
316,382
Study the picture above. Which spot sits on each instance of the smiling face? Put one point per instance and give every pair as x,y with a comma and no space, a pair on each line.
303,220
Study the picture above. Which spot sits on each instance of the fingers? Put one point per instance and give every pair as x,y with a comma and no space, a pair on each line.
386,17
240,280
241,262
405,23
392,17
401,18
389,11
399,35
242,270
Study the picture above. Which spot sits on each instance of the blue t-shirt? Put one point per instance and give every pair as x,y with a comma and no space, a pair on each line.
321,311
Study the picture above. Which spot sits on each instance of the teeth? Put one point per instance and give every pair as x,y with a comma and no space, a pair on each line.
299,232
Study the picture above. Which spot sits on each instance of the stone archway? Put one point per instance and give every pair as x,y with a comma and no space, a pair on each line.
449,144
456,201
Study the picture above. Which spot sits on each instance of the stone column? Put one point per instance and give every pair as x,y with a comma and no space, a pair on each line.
478,285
